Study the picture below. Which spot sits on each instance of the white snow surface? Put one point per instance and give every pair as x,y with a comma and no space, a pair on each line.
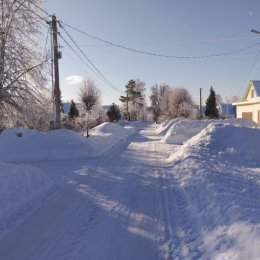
21,188
61,144
166,125
140,198
182,130
232,143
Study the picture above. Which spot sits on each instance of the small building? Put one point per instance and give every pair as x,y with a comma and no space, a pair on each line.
249,107
226,110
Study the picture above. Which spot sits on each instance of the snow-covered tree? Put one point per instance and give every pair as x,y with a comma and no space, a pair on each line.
134,101
232,99
155,98
211,110
113,113
30,115
176,102
22,70
90,97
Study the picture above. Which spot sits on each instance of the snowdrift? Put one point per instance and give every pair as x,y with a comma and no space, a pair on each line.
21,145
21,188
235,144
218,171
182,130
166,125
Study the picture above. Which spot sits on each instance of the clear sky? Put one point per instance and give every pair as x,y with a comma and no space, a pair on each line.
169,27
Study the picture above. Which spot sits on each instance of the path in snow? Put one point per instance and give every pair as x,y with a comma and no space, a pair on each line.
127,205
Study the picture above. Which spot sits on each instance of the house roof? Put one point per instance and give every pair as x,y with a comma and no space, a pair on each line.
255,100
256,84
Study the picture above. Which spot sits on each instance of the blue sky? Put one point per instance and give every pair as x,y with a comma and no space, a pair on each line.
170,27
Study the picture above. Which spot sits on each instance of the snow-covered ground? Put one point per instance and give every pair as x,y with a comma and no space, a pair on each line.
25,145
180,190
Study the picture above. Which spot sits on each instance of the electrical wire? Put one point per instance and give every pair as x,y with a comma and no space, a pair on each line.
44,11
161,55
101,75
252,70
46,43
83,60
96,71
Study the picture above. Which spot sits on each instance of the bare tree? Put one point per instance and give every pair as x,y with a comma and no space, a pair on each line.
90,96
22,72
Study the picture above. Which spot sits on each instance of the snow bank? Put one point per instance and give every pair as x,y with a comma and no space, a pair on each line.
21,145
223,200
21,188
214,171
182,130
131,126
235,144
111,129
166,125
238,241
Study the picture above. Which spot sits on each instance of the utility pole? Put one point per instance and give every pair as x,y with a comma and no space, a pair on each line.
200,103
127,112
56,89
2,47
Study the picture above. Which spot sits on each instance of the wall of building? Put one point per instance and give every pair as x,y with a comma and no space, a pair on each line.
254,108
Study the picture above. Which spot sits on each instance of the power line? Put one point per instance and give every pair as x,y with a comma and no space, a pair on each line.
161,55
44,11
252,70
73,50
41,18
46,43
95,70
92,64
83,60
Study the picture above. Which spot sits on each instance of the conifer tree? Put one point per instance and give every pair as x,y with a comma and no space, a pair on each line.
211,105
73,112
134,100
113,113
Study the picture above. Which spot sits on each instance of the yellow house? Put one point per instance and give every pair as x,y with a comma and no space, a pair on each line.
249,107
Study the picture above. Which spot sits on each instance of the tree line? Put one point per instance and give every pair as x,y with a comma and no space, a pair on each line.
25,72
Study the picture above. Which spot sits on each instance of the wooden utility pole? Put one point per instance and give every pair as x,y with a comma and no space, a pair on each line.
200,103
56,89
127,109
2,47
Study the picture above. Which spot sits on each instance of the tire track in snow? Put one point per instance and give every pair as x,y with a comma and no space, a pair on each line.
182,236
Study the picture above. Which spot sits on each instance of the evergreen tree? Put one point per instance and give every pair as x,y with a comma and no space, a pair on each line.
134,100
73,112
211,105
113,113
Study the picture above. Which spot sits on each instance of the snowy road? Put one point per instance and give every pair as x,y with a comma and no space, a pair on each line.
130,205
109,208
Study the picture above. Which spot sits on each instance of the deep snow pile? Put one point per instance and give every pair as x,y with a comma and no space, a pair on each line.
235,144
166,125
182,130
214,170
21,188
20,145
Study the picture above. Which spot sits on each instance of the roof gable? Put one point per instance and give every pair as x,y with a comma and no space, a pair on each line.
256,84
253,85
